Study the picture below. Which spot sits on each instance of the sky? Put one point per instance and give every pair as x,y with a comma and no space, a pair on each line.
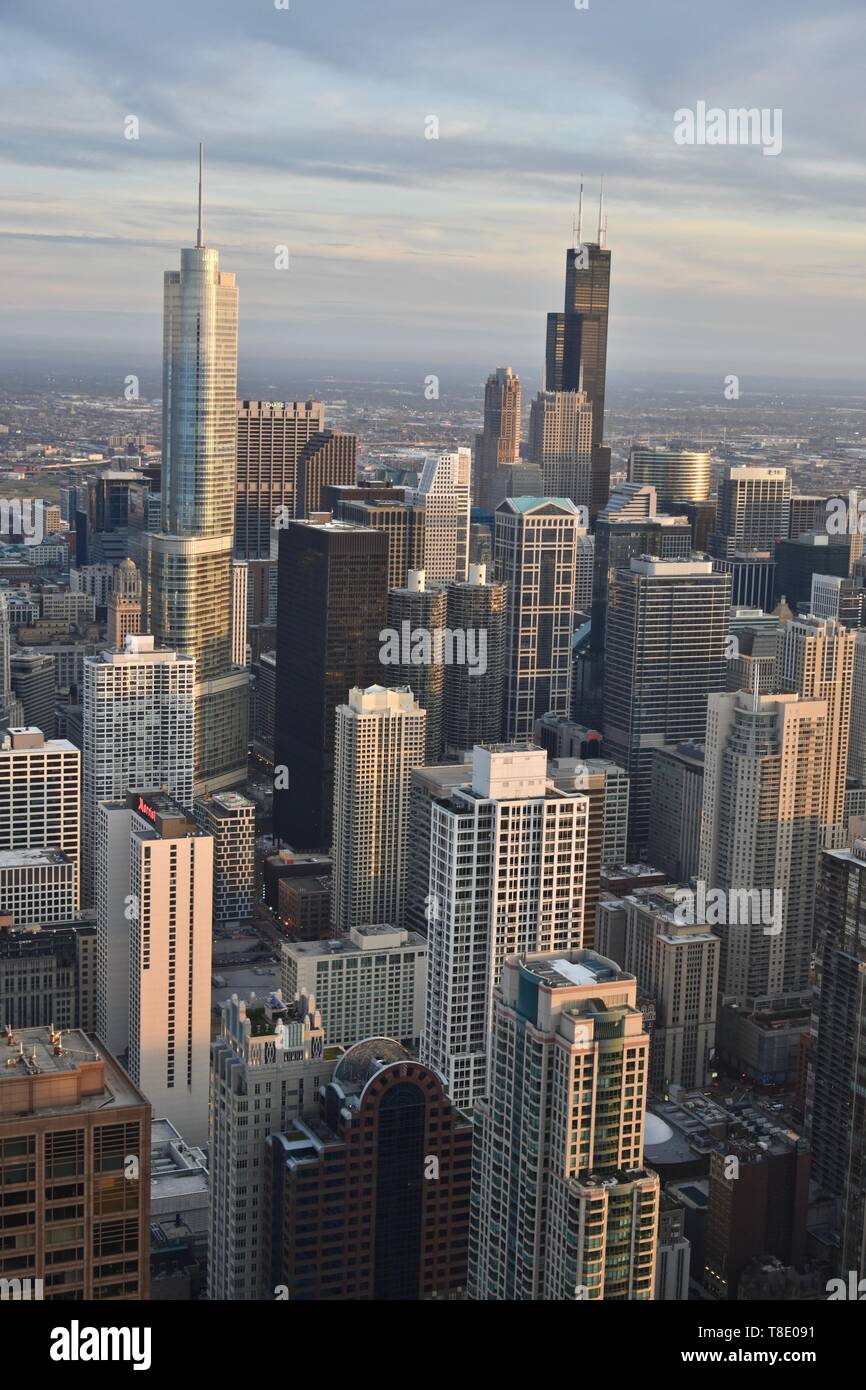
419,251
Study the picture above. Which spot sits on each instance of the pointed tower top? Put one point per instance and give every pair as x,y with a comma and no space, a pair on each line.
199,239
580,216
601,212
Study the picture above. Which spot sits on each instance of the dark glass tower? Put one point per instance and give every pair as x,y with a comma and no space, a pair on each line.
576,356
332,589
372,1201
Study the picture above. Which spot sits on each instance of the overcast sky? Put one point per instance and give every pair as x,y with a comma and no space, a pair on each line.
426,251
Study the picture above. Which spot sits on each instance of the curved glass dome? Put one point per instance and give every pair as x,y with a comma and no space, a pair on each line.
366,1058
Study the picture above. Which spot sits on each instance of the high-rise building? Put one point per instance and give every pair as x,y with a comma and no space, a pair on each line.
164,889
267,1065
857,730
753,510
418,648
474,692
536,539
332,607
35,690
38,886
838,596
560,442
369,984
271,436
667,625
138,717
40,800
189,561
563,1209
387,509
70,1120
499,443
816,659
390,1142
381,736
444,489
676,964
49,976
678,475
757,1205
761,825
834,1103
507,868
230,819
628,527
428,784
240,600
124,604
328,459
753,578
676,796
576,354
797,561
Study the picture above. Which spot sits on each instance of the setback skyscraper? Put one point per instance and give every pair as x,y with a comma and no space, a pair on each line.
190,558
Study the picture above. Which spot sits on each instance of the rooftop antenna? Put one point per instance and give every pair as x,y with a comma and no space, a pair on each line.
199,240
601,212
580,216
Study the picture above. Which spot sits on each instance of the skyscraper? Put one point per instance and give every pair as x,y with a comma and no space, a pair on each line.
165,881
390,1141
499,442
563,1209
474,694
124,604
834,1100
138,718
667,624
816,659
754,510
444,489
678,475
576,353
230,819
190,558
506,873
536,540
271,436
70,1118
761,824
560,442
328,459
268,1062
40,797
416,614
332,596
380,738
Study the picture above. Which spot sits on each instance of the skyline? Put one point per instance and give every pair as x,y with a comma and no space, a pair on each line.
404,248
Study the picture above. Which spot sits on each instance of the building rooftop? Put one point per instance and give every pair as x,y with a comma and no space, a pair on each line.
578,968
28,1054
30,858
379,936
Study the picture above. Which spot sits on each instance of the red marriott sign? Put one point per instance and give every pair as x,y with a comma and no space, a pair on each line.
146,810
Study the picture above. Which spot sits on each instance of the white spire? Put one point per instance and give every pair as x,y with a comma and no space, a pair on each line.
199,240
601,213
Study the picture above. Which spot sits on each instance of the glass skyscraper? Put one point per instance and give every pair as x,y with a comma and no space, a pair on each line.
190,557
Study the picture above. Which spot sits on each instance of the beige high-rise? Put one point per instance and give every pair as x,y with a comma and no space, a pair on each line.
562,1207
381,736
816,659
